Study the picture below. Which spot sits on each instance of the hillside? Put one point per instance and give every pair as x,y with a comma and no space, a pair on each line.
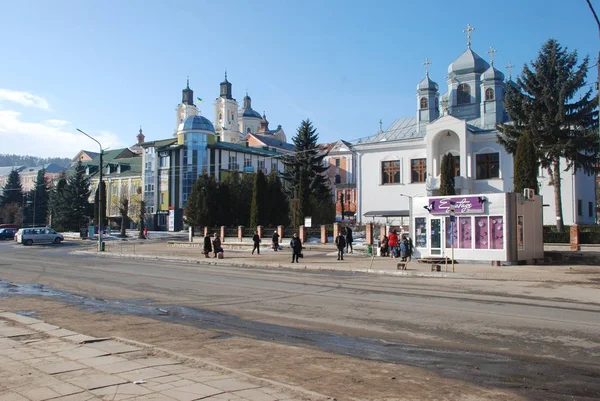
31,161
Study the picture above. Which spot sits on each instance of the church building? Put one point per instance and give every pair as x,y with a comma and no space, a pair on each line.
403,162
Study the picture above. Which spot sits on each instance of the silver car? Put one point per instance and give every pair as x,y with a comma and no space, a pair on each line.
38,235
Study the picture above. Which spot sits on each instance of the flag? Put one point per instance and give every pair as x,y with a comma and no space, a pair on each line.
199,100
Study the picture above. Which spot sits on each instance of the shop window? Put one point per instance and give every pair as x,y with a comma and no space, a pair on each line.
451,233
418,170
390,172
423,103
487,166
463,94
590,209
481,233
465,230
421,232
579,207
496,232
489,94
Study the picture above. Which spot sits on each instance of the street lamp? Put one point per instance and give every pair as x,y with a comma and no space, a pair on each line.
410,199
100,194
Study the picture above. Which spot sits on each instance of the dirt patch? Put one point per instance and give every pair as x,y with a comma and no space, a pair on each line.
340,377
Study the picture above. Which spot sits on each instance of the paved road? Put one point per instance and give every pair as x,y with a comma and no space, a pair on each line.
446,325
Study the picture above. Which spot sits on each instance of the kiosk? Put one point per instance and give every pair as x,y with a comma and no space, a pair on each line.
501,227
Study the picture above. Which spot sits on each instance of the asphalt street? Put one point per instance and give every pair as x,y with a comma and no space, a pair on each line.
445,325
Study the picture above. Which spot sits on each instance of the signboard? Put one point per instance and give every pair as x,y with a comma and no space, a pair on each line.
308,222
171,220
462,205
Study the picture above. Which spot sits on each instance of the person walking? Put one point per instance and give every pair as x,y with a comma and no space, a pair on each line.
275,241
340,242
146,232
216,242
393,244
384,246
256,241
207,246
296,246
348,239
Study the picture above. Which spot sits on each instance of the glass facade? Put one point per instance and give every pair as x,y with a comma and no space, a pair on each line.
149,179
194,161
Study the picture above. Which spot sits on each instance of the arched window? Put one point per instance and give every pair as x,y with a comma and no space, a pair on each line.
338,179
489,94
463,94
220,116
423,103
248,130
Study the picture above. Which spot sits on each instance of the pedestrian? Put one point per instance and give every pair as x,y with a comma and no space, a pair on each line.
256,241
146,232
296,246
275,241
409,248
348,239
340,242
393,244
207,246
384,246
403,249
216,242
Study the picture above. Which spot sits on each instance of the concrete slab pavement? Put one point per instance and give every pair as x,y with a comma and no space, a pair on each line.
35,366
324,257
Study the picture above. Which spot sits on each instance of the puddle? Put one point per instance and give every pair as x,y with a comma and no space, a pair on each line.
479,367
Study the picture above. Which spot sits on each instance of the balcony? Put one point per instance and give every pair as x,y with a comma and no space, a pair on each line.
464,184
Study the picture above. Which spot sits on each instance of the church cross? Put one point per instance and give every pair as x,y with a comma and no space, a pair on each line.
427,63
509,67
380,125
468,32
491,53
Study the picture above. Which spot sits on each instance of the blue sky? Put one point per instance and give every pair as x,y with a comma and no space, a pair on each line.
108,67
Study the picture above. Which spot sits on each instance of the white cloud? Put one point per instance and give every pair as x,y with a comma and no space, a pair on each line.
24,99
49,138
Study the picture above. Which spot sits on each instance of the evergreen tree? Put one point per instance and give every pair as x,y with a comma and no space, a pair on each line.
544,103
124,212
277,202
202,203
225,211
77,194
38,201
12,192
58,204
447,175
526,164
258,206
141,214
305,170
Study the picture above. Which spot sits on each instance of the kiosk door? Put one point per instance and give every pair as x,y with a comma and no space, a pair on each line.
435,235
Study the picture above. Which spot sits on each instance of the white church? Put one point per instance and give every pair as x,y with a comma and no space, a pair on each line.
403,162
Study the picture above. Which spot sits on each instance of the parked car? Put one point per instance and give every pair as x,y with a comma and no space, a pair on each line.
38,235
7,233
15,226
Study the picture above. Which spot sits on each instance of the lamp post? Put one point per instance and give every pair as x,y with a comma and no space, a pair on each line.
410,217
100,194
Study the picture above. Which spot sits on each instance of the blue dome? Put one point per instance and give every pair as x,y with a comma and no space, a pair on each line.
250,113
196,123
468,62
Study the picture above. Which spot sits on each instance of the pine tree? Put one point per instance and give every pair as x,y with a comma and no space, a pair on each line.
141,215
38,200
447,176
526,164
58,204
305,170
258,205
561,127
124,212
77,194
202,203
12,192
277,202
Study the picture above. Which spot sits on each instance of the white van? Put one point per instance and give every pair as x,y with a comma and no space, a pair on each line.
38,235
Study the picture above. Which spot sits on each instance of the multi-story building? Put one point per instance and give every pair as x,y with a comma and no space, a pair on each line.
341,162
28,175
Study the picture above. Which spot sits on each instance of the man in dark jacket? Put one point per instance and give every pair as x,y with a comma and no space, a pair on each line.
348,239
275,241
207,245
340,242
296,246
256,241
216,242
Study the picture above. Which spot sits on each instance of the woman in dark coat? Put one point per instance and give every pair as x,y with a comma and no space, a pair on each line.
207,245
349,239
296,246
256,241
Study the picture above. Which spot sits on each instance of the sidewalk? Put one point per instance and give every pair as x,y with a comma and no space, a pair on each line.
39,362
324,257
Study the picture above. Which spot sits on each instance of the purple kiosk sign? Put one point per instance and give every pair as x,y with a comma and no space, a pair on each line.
462,205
